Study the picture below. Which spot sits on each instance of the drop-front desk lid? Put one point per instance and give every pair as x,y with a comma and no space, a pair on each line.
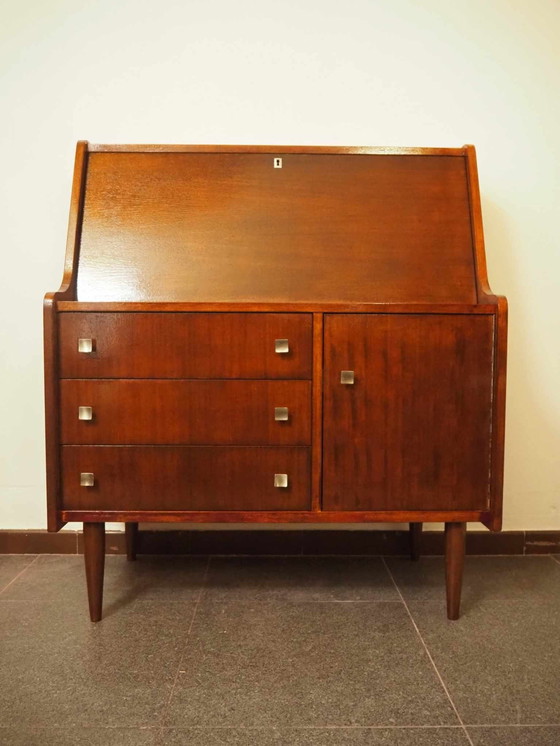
281,225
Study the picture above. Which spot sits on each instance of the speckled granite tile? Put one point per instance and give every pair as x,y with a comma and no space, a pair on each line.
486,579
61,578
299,579
316,737
500,661
59,669
10,567
280,663
516,736
24,736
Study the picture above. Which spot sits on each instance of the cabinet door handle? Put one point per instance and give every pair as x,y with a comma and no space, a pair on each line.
87,479
85,413
281,346
281,414
347,377
280,480
86,346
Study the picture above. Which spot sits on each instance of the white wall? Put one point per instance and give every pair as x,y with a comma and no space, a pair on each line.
387,72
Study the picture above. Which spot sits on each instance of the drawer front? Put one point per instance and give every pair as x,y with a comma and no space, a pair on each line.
185,345
185,478
168,412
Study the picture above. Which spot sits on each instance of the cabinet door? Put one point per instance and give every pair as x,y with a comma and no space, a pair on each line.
413,431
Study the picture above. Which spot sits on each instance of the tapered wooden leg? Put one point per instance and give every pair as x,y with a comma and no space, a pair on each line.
415,536
94,556
454,562
131,536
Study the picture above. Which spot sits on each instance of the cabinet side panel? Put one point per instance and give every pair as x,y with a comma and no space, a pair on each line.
52,421
493,520
414,430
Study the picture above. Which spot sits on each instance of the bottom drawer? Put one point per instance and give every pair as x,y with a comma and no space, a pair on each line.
185,478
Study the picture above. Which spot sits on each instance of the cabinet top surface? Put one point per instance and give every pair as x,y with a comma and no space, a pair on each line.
264,225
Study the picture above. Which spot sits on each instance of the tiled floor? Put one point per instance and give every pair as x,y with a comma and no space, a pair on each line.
283,651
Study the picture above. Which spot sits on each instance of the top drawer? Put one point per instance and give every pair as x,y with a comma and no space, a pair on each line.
186,345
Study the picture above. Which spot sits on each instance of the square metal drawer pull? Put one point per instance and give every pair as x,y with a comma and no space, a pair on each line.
347,377
86,345
87,479
280,480
281,346
85,413
281,414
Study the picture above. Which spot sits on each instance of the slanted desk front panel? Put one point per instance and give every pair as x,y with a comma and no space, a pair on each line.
227,227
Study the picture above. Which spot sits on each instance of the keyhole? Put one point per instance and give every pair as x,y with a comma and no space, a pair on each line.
278,163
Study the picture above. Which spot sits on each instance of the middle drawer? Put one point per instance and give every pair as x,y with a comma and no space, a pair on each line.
164,412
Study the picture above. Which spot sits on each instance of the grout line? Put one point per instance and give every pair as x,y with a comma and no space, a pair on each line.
312,727
162,728
293,601
13,580
445,689
181,657
350,727
514,725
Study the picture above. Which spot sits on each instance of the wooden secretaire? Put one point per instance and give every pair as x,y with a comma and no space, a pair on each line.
257,334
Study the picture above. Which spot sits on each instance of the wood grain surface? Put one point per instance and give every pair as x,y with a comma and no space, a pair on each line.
226,227
269,516
165,412
186,345
423,200
185,478
414,431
